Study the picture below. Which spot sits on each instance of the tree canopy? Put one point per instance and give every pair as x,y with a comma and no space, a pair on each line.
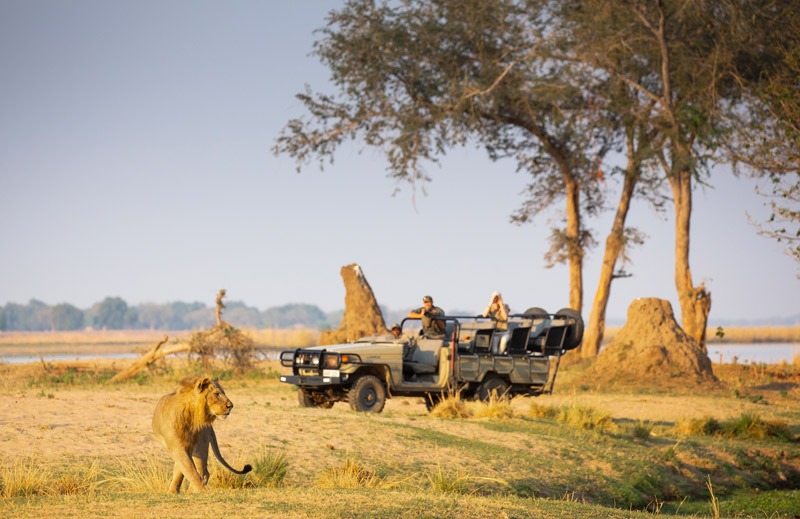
555,86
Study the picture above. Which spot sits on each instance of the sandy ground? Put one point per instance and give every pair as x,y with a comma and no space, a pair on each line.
57,424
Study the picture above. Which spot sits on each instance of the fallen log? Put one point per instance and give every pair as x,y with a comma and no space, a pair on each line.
156,353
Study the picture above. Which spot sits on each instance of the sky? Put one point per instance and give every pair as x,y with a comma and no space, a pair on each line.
136,162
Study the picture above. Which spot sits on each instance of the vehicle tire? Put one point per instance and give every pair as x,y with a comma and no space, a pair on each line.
368,395
575,333
308,399
492,385
536,312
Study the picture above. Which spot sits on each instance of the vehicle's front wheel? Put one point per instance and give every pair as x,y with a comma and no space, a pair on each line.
490,387
308,399
367,395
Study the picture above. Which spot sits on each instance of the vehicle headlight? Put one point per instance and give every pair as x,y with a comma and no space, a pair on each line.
331,360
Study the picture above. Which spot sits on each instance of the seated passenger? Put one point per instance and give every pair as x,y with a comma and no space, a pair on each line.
431,326
397,332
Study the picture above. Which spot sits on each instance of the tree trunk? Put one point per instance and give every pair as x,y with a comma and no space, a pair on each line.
148,358
574,243
695,302
593,337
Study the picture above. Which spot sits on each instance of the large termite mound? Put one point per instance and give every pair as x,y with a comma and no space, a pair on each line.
651,349
362,315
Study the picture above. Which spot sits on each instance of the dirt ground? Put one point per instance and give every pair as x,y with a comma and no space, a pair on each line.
54,423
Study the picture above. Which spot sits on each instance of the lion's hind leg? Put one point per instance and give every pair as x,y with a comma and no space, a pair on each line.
184,468
200,454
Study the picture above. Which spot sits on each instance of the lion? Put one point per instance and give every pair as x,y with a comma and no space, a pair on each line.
182,424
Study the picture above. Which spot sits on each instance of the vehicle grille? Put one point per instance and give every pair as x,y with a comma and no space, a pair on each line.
306,363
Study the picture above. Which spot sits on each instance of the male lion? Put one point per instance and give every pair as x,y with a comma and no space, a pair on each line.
182,424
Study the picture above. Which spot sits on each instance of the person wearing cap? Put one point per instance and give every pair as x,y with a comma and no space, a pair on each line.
397,332
431,326
497,310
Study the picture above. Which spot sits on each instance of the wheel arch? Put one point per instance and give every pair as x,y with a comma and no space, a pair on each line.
381,371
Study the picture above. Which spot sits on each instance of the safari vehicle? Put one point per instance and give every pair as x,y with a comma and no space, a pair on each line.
474,357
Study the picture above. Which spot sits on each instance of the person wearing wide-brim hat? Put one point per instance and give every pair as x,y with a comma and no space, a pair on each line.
431,326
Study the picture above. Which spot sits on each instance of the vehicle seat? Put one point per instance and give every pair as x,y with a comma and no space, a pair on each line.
500,342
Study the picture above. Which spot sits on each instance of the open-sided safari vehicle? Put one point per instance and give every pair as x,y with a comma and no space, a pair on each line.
474,356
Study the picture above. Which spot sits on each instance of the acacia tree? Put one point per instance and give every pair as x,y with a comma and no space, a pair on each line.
680,58
422,77
766,140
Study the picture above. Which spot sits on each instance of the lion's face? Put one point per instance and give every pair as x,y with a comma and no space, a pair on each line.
217,402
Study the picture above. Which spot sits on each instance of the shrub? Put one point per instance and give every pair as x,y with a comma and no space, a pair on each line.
746,426
705,426
537,410
349,475
269,469
498,407
586,417
446,481
642,429
23,478
451,406
753,426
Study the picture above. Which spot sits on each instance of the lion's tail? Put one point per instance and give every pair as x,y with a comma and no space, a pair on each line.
215,448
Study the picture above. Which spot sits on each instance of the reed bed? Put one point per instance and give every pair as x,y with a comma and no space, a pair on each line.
135,340
736,334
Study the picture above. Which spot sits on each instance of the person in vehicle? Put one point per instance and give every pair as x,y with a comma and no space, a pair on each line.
397,332
431,327
497,310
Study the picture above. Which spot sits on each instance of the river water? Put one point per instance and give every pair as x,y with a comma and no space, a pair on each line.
768,353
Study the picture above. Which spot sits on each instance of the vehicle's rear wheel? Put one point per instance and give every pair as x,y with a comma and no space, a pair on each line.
492,386
308,399
367,395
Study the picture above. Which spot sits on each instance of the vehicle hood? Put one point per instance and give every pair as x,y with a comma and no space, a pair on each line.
352,347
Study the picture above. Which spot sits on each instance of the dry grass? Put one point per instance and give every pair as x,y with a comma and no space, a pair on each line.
153,475
23,478
496,408
577,415
451,406
108,341
736,334
448,481
349,474
746,426
754,334
401,463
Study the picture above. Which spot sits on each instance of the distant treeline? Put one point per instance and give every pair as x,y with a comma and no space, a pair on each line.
113,313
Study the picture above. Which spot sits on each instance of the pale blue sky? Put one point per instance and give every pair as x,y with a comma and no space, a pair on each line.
135,161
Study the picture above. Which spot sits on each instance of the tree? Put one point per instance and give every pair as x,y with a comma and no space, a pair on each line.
418,78
67,317
112,313
766,140
681,60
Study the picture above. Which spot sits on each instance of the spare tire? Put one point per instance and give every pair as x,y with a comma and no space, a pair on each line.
575,333
536,312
